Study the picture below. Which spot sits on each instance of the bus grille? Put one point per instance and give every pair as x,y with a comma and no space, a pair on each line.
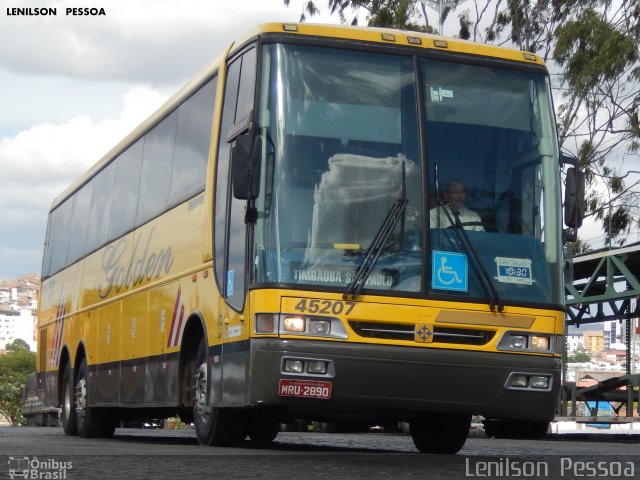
395,331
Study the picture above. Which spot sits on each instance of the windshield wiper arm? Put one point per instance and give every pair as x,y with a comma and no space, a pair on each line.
375,249
485,280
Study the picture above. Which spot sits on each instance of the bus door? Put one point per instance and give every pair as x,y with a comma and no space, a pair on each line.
230,237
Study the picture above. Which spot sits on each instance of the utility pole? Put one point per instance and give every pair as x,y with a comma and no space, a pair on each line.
440,6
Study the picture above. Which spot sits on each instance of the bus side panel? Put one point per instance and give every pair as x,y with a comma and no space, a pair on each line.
59,301
162,369
107,356
134,351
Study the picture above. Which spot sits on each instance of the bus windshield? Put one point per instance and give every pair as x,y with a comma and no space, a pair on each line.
341,145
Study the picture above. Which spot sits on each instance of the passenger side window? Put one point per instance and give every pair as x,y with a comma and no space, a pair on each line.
61,218
125,190
79,223
100,214
160,170
193,139
156,167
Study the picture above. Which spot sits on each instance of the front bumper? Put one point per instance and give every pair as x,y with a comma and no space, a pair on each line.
400,381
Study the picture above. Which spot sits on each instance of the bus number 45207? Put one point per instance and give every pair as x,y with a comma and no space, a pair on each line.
327,307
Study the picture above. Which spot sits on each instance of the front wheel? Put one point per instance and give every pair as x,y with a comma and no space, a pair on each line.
214,425
516,429
440,432
263,428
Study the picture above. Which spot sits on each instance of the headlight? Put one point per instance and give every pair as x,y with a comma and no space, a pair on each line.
266,323
519,381
294,324
539,342
517,341
540,382
290,324
529,381
293,366
319,327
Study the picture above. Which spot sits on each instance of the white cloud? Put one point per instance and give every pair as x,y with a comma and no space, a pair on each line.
39,162
72,88
142,40
53,152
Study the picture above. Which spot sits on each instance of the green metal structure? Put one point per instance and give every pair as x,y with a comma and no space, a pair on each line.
601,286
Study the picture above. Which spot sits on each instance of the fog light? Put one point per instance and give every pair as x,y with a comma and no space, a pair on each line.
317,367
293,366
294,324
540,382
319,327
540,343
266,323
519,342
520,381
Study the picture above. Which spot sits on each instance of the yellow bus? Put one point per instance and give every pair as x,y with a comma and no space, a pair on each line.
280,242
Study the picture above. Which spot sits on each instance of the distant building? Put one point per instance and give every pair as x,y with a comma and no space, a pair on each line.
594,341
575,342
18,307
14,325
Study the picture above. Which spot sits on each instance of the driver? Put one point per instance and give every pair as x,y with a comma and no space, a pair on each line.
455,195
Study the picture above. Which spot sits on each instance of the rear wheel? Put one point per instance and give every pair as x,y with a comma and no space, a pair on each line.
440,432
91,421
68,402
214,425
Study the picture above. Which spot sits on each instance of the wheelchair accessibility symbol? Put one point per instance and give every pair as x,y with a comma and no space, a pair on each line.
449,271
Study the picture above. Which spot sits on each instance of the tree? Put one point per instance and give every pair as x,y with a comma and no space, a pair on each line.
579,357
379,13
15,367
598,51
17,345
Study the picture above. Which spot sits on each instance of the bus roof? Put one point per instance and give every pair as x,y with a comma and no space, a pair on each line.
383,36
390,36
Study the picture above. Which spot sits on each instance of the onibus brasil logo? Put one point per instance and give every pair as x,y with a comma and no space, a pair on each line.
34,468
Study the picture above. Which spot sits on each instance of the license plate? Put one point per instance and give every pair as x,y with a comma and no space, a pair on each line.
304,388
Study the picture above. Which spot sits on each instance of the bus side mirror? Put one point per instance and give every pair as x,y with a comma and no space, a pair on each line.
245,167
574,198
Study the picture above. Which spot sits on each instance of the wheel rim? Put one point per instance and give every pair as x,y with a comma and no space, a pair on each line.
81,398
67,400
200,391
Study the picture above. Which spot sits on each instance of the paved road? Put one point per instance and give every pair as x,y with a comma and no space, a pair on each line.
31,452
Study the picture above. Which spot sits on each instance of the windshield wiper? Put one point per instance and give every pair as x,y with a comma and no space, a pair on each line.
375,249
485,280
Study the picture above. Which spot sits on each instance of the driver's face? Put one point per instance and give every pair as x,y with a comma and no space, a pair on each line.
456,195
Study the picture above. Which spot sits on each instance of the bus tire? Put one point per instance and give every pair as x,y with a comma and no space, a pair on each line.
516,429
263,428
440,432
68,413
91,421
215,426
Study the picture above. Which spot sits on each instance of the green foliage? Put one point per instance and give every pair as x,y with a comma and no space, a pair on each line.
15,367
579,357
593,51
17,345
403,14
578,247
